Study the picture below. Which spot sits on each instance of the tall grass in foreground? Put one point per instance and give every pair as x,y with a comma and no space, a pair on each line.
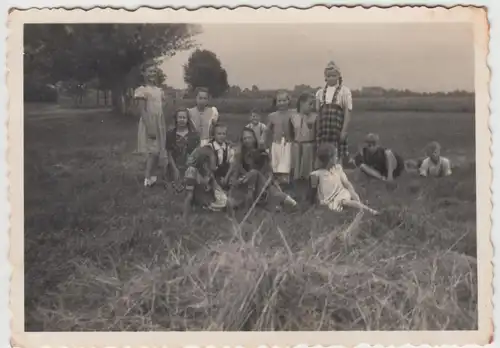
355,274
102,253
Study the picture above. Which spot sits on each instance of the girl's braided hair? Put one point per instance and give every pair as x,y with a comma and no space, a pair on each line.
334,99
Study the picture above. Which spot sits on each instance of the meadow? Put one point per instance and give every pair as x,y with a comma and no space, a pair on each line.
104,253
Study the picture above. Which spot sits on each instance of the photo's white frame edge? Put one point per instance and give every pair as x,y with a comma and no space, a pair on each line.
476,16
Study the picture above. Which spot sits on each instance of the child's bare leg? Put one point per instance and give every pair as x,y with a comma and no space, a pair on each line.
230,207
371,172
149,166
360,206
281,197
151,162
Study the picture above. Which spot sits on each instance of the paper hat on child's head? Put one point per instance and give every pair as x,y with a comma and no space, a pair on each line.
331,66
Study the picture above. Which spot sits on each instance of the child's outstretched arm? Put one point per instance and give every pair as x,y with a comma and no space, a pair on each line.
347,104
318,99
446,167
213,121
268,133
424,168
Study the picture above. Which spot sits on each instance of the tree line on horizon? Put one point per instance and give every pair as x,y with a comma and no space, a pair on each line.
109,58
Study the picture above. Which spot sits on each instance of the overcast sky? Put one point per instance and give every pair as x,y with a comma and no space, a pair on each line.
420,57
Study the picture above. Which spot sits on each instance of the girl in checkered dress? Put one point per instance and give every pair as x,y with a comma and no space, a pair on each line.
334,105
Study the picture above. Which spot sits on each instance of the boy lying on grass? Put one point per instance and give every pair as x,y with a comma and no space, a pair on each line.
434,164
330,186
379,162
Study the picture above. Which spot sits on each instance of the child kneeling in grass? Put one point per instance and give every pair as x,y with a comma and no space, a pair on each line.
330,186
200,184
434,164
379,162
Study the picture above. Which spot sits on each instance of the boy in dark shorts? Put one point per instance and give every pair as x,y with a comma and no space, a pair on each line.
379,162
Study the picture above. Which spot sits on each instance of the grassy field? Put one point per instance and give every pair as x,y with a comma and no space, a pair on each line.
104,253
412,104
431,103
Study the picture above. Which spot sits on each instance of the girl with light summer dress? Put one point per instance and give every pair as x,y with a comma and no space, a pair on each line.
330,186
278,135
151,136
204,117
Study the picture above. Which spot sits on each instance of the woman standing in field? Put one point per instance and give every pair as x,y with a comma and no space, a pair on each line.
182,140
334,104
151,136
279,136
203,116
303,122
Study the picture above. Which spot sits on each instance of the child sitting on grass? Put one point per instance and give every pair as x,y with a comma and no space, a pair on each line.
249,174
330,186
200,184
434,164
379,162
182,140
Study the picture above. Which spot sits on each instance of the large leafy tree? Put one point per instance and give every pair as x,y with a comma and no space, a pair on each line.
108,52
204,69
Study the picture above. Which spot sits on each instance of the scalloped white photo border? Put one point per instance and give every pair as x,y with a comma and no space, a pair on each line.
487,118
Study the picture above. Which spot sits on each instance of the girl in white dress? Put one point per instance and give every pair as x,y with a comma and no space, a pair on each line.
204,117
330,186
278,136
151,135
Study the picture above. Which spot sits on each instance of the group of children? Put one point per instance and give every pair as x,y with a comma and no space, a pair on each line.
307,143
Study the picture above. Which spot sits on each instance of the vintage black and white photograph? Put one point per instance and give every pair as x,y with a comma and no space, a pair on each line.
267,176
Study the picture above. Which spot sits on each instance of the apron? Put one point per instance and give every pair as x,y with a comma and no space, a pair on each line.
281,160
